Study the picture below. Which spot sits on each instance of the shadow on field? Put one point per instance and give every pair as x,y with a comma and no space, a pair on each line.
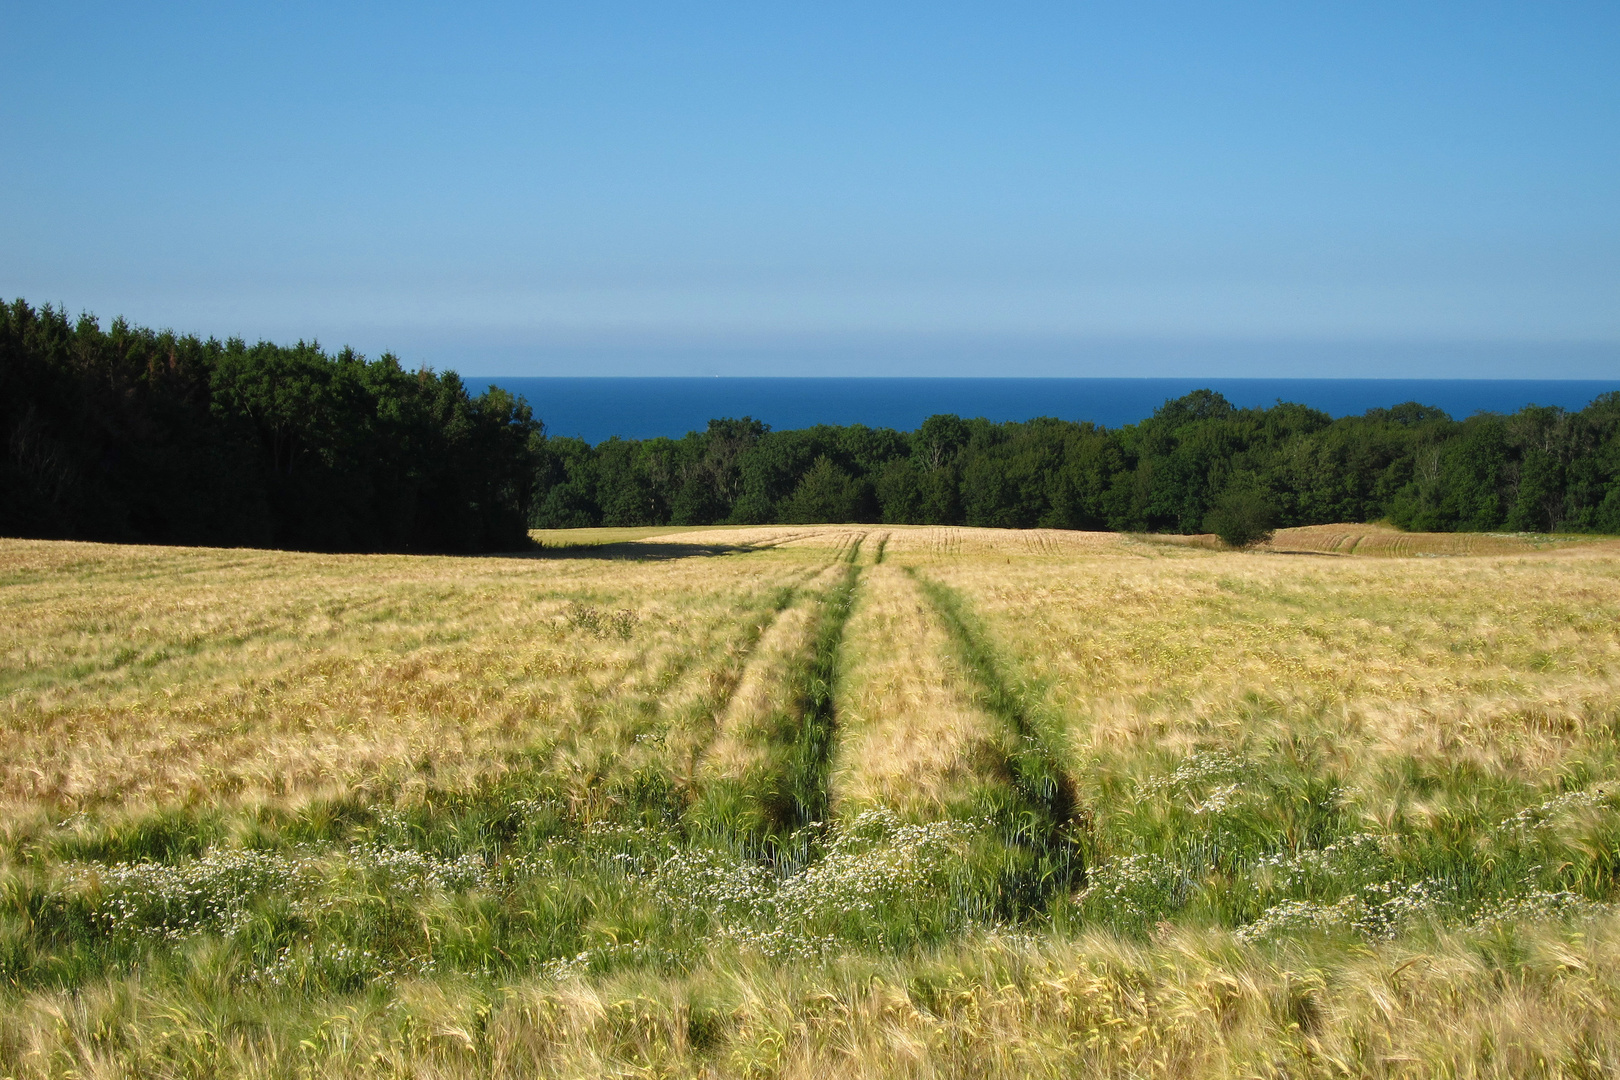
637,551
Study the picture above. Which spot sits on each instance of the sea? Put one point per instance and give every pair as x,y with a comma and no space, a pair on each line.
595,409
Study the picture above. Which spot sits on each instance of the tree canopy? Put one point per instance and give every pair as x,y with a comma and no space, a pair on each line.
132,434
1540,469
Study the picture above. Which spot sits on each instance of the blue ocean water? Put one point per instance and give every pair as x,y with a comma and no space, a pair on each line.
639,408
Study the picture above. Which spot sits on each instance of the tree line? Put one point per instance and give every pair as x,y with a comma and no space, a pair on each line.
131,434
1194,460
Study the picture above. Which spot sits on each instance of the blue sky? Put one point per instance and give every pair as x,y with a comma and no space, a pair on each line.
1333,189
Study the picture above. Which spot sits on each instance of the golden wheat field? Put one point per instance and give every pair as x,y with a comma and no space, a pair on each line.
852,801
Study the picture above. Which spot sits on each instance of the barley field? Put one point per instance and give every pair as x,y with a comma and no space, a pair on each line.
814,801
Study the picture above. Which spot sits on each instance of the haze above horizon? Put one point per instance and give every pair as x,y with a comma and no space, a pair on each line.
1251,190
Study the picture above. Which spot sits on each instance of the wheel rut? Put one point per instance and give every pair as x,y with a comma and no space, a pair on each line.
941,733
765,779
1046,816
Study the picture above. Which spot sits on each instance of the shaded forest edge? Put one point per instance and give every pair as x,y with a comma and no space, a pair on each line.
131,434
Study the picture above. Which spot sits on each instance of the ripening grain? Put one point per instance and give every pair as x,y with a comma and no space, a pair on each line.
912,737
814,801
770,696
150,675
1508,662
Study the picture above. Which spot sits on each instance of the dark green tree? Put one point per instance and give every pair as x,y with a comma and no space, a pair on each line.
1242,517
826,494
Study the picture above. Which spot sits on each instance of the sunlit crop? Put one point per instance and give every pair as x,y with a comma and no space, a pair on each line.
811,801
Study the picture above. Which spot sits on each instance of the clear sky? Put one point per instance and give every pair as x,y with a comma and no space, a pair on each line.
1333,188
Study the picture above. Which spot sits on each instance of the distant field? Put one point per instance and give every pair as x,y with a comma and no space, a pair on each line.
814,800
1383,540
558,539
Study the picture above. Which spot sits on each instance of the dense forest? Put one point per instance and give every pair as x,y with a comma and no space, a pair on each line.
131,434
1540,469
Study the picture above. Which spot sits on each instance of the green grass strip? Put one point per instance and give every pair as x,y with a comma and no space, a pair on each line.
765,811
810,758
1046,815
